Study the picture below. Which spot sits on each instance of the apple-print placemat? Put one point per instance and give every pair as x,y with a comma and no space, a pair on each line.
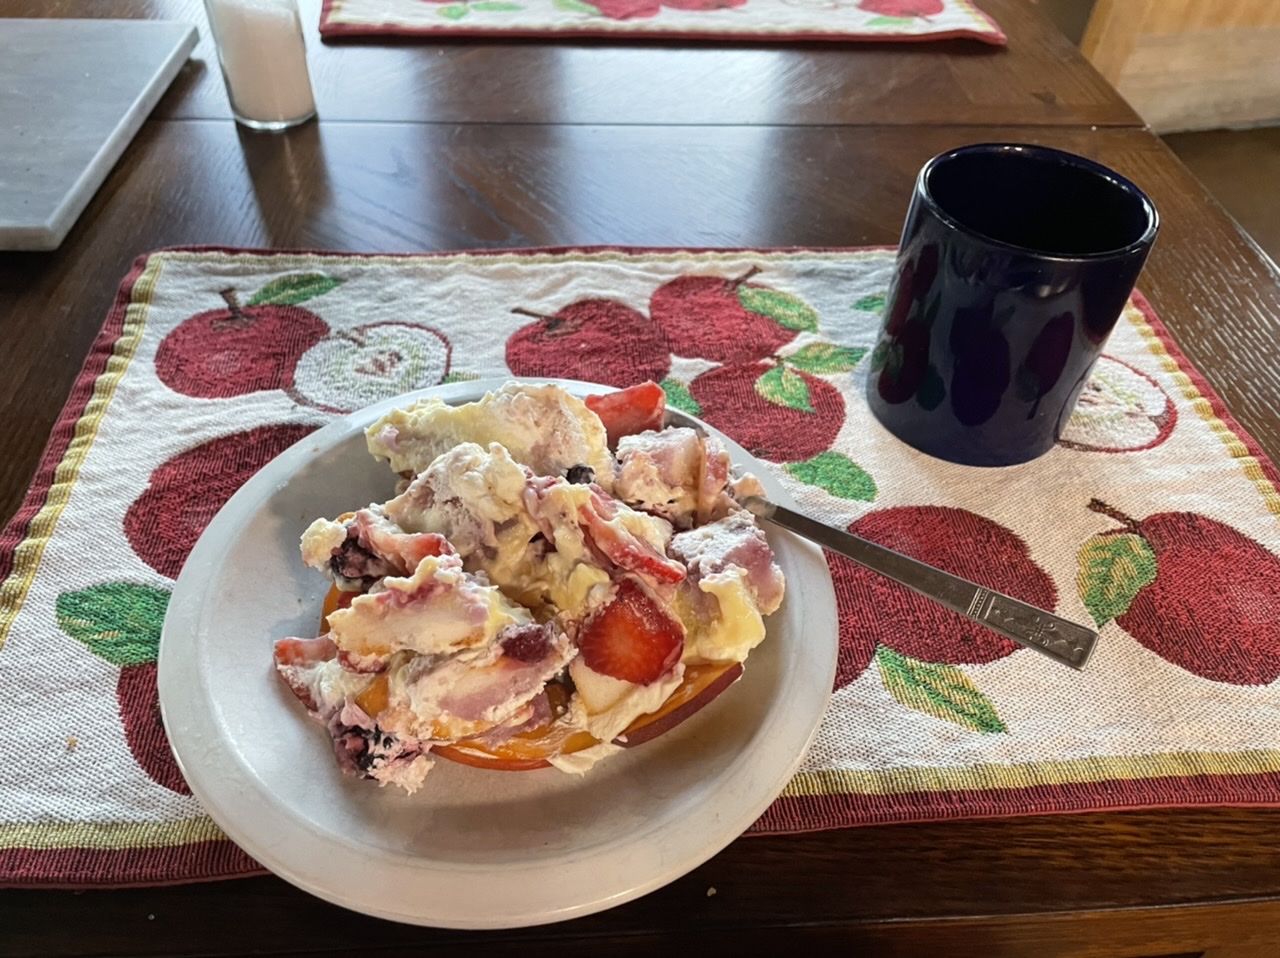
763,20
1155,517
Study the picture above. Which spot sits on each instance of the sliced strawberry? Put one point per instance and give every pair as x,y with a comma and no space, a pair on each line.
304,652
401,550
633,638
294,660
631,410
621,547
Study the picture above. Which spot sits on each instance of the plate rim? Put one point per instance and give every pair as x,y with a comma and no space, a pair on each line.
177,703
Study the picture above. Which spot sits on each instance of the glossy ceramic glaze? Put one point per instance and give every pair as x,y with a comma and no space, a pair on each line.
1014,265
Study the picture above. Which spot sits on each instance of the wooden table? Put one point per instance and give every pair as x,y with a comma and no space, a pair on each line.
426,146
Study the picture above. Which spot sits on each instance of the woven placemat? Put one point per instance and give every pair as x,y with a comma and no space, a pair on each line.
760,20
1154,517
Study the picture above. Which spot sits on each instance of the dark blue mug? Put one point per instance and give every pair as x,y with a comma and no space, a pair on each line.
1015,263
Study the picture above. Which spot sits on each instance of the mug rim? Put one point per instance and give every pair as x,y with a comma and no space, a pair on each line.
1036,151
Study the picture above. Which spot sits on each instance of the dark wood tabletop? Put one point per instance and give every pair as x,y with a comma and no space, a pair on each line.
456,145
1039,79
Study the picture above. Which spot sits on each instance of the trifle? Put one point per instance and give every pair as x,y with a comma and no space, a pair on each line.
555,579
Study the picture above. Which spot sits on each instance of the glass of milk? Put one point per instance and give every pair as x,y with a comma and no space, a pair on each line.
264,61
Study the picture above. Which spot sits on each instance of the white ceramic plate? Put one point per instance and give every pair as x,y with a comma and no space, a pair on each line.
474,848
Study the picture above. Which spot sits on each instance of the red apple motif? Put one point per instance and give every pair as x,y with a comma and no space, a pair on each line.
352,369
1120,409
240,349
139,703
640,9
774,411
594,340
902,8
120,622
961,542
702,4
1193,590
709,317
627,9
186,492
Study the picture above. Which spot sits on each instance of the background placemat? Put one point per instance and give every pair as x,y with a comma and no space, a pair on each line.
664,19
1154,517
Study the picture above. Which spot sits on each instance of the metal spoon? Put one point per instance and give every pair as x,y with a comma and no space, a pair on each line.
1061,640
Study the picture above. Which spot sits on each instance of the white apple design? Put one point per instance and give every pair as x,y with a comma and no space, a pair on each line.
1120,409
353,368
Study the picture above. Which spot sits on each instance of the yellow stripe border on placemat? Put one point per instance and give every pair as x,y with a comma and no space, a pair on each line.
825,782
1204,409
27,554
987,777
109,836
550,256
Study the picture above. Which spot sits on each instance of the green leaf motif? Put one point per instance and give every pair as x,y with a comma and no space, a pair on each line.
890,21
455,11
1111,571
460,378
836,473
678,396
576,6
825,358
870,304
783,386
785,309
942,691
495,6
118,621
294,289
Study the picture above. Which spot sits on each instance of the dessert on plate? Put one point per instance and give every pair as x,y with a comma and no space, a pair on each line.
555,579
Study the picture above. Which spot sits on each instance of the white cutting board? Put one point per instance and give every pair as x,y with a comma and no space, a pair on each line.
72,95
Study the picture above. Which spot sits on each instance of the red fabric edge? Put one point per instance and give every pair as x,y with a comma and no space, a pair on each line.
785,815
338,30
515,250
74,869
999,36
64,429
77,868
1202,386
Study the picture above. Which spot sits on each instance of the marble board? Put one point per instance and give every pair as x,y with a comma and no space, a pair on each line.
72,95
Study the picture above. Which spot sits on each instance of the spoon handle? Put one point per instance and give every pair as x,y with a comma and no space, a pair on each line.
1061,640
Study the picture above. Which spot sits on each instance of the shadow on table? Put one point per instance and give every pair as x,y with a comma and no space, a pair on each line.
290,180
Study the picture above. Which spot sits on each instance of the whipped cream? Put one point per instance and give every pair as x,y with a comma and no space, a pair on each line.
467,592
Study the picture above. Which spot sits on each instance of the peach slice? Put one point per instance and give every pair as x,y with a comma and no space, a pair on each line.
529,750
701,684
